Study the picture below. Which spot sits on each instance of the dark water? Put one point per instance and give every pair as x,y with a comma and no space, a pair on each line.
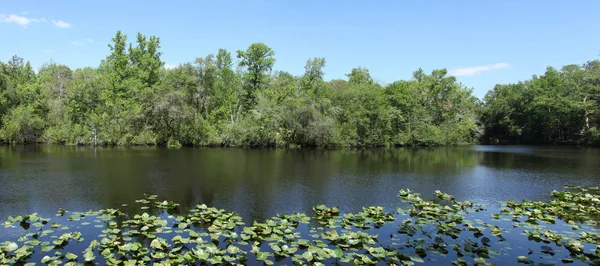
259,184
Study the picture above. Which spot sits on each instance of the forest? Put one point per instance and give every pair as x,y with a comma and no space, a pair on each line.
558,107
238,100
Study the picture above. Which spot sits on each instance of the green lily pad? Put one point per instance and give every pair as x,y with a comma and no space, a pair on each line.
12,246
70,256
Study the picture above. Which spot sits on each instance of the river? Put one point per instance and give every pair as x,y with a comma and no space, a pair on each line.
258,184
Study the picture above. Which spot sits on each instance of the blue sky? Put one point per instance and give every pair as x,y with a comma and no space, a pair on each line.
482,42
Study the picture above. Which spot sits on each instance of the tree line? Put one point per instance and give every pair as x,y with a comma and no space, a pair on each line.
558,107
237,100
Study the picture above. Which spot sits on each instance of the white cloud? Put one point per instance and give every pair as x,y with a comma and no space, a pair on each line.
471,71
81,42
25,21
61,24
169,66
16,19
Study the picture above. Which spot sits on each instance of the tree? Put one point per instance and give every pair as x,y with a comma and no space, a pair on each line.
228,90
55,79
20,71
132,99
145,60
22,125
224,60
360,75
4,99
116,68
258,60
207,77
313,74
556,107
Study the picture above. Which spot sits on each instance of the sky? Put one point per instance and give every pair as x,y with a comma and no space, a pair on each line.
482,43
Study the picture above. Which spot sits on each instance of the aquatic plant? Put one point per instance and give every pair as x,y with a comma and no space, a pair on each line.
561,230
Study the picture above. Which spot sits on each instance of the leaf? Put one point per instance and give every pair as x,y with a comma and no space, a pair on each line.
261,256
70,256
480,261
46,259
156,244
307,255
106,252
274,247
11,247
193,234
201,254
419,259
89,255
338,253
232,249
212,249
303,242
159,255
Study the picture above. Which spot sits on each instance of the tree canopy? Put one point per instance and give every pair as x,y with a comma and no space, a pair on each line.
558,107
221,100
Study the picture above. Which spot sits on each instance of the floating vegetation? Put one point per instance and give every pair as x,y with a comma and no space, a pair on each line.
438,231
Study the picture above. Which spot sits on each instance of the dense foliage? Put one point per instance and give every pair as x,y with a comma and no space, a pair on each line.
559,107
132,99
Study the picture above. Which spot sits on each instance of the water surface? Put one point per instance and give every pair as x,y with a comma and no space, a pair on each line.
259,184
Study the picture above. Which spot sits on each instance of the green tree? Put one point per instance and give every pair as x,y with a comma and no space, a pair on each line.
145,59
132,99
313,75
258,60
557,107
22,125
360,75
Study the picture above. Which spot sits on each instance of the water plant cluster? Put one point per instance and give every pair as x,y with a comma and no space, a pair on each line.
438,231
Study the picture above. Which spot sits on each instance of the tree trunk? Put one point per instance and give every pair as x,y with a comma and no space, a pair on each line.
586,115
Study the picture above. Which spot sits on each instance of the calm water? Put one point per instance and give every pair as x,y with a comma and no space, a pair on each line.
258,184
